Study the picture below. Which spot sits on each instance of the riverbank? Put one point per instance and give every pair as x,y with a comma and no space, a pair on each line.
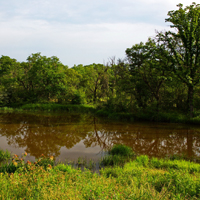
139,178
138,115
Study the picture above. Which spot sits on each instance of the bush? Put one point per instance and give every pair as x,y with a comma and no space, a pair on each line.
121,150
118,155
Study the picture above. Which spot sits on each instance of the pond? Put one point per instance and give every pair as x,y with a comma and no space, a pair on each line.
70,136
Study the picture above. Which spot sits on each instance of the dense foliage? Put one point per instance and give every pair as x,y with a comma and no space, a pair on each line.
160,74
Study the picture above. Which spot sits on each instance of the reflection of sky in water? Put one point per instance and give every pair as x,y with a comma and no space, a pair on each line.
69,137
74,153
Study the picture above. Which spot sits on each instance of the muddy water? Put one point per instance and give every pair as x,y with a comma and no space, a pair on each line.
68,136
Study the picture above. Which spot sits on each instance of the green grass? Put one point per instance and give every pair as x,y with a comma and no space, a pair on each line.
140,178
52,107
149,116
4,155
118,155
138,115
10,109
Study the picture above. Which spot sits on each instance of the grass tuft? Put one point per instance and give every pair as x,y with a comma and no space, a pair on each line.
118,155
4,155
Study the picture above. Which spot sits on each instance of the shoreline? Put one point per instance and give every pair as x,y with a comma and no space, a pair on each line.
143,116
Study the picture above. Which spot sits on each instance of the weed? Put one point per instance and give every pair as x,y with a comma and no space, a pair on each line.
4,155
121,150
118,155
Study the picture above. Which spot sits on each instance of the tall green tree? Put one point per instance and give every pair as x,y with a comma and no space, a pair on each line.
183,44
94,80
120,87
149,68
8,77
42,78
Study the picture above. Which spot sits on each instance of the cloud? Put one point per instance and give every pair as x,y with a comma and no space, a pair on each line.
89,11
81,31
72,43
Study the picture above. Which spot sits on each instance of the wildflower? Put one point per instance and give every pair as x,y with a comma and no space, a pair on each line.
15,155
49,167
51,157
15,163
28,162
25,154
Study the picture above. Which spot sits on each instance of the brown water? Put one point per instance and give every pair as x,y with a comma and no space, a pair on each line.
68,136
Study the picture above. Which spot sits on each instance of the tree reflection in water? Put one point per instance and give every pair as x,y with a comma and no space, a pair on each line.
45,134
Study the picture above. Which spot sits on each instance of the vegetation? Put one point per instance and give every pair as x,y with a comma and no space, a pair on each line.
158,75
4,155
118,155
141,178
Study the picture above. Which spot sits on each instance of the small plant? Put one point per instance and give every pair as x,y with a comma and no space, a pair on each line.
18,164
121,150
63,168
91,165
4,155
118,155
14,165
178,157
143,160
46,162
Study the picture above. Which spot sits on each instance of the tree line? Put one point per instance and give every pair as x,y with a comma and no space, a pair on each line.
160,74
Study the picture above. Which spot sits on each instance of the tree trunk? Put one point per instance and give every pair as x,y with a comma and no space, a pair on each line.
191,100
95,95
157,105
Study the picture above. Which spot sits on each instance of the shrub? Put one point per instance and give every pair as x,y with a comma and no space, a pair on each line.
121,150
118,155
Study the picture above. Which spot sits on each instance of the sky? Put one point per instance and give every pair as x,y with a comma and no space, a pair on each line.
79,31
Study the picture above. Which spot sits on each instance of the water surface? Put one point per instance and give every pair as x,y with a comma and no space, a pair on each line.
70,136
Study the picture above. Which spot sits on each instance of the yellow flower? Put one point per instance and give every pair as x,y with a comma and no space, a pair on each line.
51,157
15,163
49,167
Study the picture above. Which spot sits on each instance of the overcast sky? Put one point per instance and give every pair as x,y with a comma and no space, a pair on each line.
79,31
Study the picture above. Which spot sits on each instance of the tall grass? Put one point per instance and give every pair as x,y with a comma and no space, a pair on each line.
4,155
118,155
141,178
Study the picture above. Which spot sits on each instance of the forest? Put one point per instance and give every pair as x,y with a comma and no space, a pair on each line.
159,75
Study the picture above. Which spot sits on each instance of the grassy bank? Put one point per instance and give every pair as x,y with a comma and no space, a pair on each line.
138,115
138,178
51,107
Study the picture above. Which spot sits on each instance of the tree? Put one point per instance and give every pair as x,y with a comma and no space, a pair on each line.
184,46
120,87
94,80
42,78
149,69
8,76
